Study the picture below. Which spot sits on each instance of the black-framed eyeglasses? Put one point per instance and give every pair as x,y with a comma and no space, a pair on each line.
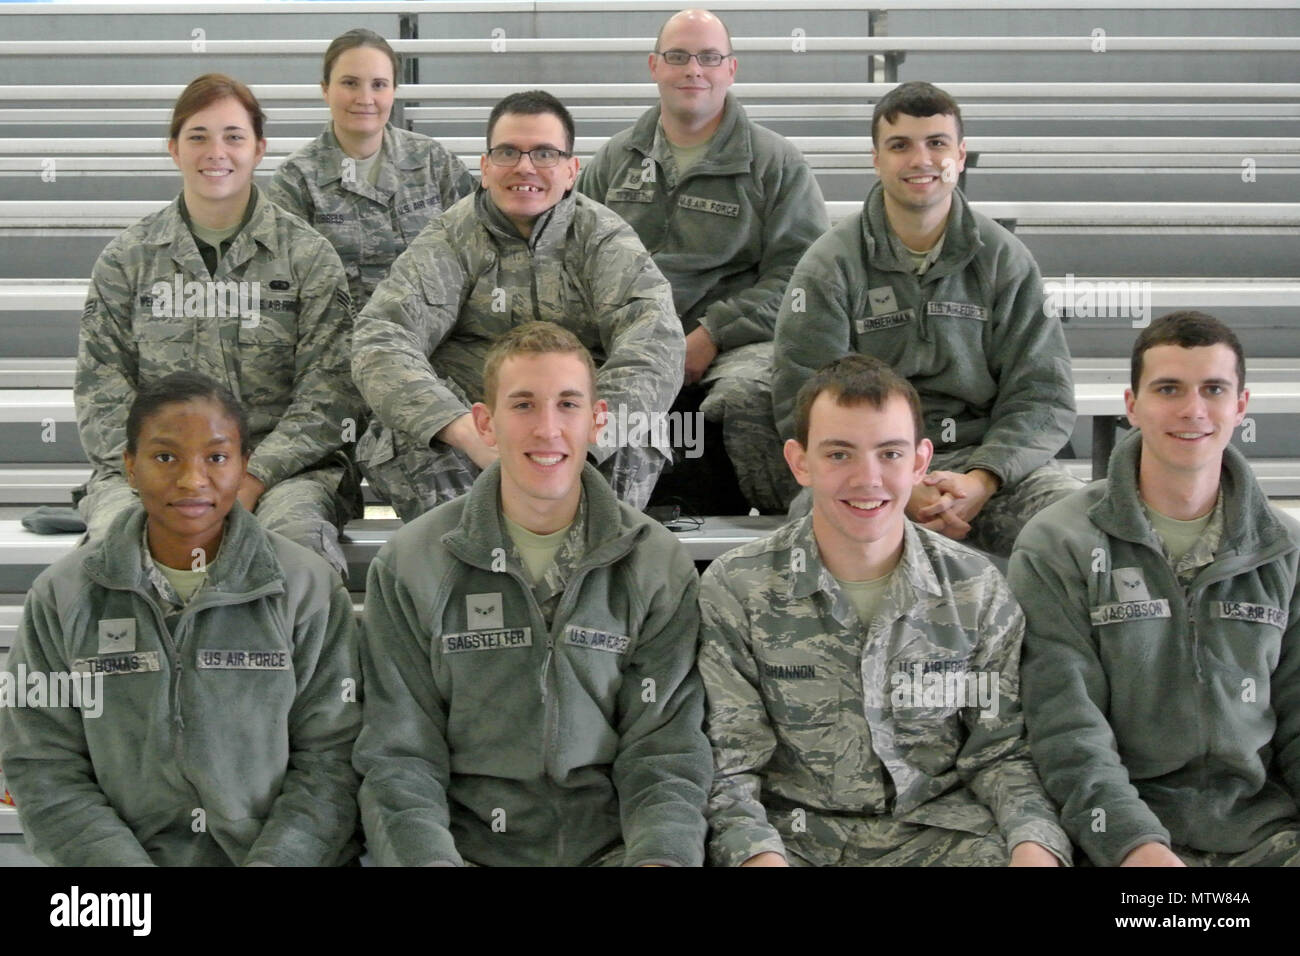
681,58
542,157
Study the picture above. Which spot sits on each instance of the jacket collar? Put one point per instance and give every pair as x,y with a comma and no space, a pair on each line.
481,531
914,567
549,230
1250,524
961,238
730,150
248,562
171,229
329,164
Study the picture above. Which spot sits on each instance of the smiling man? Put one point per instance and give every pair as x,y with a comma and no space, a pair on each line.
863,672
727,208
531,695
953,302
525,247
1162,660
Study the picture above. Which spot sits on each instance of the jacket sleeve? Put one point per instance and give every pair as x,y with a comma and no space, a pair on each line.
738,726
107,362
66,817
1284,686
812,329
793,217
324,398
288,190
593,179
1066,695
645,350
413,309
315,814
1033,415
402,752
453,179
662,769
995,761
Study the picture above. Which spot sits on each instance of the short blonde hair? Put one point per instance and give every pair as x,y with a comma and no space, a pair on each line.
532,338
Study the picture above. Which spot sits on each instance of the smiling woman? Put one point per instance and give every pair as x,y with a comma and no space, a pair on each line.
365,185
226,735
225,283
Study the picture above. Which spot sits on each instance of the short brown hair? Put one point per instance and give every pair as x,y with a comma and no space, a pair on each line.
1187,329
916,98
532,338
350,41
533,103
207,89
855,380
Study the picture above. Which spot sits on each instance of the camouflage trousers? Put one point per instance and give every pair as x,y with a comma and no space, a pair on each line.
832,840
414,479
996,527
740,397
306,509
1281,849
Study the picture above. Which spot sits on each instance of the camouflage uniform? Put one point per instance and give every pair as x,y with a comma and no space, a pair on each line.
992,369
370,226
821,749
420,342
727,234
287,364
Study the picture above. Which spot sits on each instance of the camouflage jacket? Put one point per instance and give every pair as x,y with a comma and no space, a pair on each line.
273,325
992,369
816,719
1163,703
469,277
728,233
540,725
370,226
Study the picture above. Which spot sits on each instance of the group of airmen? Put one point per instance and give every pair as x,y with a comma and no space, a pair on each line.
540,675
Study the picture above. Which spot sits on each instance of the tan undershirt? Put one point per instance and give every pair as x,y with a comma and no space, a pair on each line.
865,595
1177,536
537,551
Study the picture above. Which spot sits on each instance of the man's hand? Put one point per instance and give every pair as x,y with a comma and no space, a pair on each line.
960,496
766,859
250,491
1032,854
1152,854
947,522
700,353
463,435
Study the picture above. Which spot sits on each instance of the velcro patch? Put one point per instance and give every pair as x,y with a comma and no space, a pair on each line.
116,635
596,640
1130,611
713,206
243,660
958,310
630,195
1241,611
889,320
138,663
506,637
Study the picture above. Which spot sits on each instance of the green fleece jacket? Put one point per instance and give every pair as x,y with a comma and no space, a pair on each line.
729,232
496,736
992,369
1158,712
225,730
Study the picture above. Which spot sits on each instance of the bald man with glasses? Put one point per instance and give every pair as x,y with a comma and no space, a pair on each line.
727,208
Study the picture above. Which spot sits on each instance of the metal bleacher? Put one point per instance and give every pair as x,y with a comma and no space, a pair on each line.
1155,143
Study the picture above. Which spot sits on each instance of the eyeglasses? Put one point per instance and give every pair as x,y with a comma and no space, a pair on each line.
681,58
543,157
